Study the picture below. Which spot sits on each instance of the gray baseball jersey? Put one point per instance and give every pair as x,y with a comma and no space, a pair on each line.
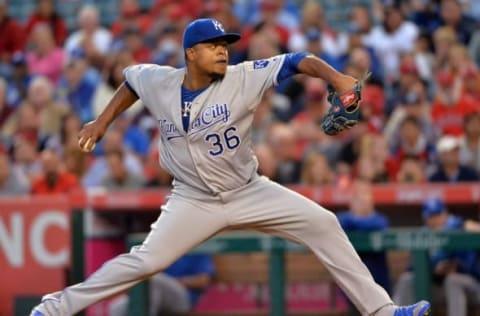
215,155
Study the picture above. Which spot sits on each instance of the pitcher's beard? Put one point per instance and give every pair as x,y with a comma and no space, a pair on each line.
217,76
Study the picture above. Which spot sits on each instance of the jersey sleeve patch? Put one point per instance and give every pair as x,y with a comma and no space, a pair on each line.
259,64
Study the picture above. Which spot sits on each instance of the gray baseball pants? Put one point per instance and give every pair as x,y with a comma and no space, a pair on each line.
166,297
189,217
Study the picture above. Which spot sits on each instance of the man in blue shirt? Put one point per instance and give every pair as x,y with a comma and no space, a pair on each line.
362,217
458,272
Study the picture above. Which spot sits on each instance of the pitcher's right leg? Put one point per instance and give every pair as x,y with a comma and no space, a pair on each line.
182,225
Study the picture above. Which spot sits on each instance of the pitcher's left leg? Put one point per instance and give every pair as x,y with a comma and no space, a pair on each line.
268,206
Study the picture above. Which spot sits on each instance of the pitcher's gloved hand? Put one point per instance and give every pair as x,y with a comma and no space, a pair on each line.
345,109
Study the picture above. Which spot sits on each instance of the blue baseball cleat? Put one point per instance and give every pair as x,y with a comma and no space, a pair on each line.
36,312
421,308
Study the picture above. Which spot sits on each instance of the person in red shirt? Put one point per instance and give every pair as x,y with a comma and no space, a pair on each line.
131,17
11,35
471,83
450,105
54,179
45,13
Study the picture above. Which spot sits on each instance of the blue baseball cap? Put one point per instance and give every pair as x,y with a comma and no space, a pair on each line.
432,206
204,30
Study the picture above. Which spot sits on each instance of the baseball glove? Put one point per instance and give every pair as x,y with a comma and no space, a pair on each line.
344,111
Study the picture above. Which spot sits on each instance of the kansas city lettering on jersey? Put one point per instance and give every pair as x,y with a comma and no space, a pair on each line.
168,129
211,115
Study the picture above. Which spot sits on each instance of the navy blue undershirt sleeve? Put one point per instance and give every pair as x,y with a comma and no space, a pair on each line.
290,65
131,89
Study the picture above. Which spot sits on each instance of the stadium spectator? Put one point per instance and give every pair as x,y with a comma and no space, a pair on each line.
25,124
54,178
305,124
351,147
99,170
12,181
12,38
131,17
373,107
112,77
176,9
44,56
470,142
67,136
424,57
45,14
333,43
372,163
424,13
19,81
26,158
413,104
314,45
169,52
132,40
176,290
316,171
268,29
76,162
455,274
362,56
450,104
412,170
78,85
392,38
452,15
361,20
443,39
281,139
449,168
264,42
119,177
39,115
90,38
170,17
408,77
412,143
134,139
276,12
459,61
363,217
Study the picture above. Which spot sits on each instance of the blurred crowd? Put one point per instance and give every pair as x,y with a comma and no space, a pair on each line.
420,115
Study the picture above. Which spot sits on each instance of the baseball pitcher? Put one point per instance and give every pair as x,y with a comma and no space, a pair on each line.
204,112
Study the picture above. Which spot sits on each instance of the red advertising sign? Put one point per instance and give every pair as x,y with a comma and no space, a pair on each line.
34,247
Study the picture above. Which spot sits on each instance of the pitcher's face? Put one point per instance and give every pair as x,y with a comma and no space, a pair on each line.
210,57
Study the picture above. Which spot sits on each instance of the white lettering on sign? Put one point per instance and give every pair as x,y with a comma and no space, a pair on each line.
12,244
40,252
